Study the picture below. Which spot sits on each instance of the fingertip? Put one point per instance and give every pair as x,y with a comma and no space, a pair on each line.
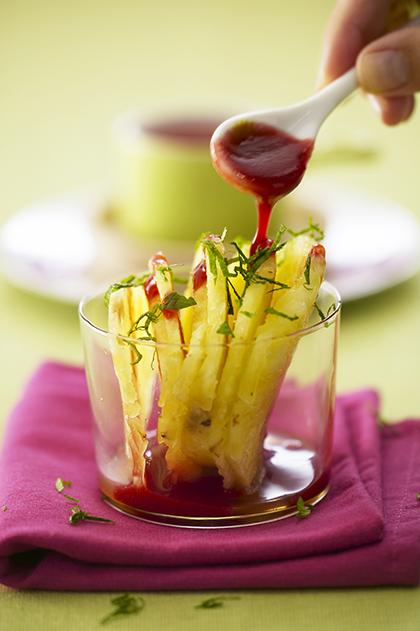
397,109
393,110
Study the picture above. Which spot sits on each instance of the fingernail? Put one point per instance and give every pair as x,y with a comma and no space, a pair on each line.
384,71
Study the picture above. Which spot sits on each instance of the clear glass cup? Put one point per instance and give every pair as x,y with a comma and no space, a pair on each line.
292,404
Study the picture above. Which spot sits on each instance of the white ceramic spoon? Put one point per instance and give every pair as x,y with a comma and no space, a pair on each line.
302,120
266,152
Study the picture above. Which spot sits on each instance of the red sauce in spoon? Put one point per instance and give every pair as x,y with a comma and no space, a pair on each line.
264,161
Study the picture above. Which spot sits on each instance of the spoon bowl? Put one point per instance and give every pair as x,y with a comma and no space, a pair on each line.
266,152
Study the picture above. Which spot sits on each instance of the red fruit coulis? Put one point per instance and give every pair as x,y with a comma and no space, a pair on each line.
264,161
199,275
151,289
206,496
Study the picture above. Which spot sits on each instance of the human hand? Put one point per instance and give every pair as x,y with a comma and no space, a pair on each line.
388,63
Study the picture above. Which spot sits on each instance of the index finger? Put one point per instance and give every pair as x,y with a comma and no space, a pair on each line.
353,24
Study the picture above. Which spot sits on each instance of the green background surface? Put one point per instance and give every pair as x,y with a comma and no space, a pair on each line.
67,69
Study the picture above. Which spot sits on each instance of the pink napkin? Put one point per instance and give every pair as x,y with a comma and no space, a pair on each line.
366,532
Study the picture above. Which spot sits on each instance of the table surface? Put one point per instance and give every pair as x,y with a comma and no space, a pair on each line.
67,70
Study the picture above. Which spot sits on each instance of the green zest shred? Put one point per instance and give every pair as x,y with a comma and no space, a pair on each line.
129,281
224,329
138,356
307,272
78,515
124,605
314,230
144,321
304,510
273,311
176,302
320,312
60,484
216,602
248,267
216,258
324,316
172,302
231,310
70,498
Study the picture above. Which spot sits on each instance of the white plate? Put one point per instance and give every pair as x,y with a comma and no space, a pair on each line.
66,247
372,243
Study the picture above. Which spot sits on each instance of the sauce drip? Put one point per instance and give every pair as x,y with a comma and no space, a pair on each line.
151,289
261,239
159,260
200,275
264,161
152,294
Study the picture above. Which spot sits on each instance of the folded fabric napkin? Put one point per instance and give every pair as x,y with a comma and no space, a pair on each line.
365,532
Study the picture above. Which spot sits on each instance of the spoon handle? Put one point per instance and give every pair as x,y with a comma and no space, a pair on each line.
329,97
340,88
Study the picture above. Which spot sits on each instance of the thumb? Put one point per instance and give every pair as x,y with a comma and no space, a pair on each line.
390,66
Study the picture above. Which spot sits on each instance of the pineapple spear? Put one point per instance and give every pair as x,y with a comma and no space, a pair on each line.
135,377
201,371
239,455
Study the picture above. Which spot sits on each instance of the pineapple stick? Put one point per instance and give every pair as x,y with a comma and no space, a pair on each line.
217,308
256,299
240,454
203,392
160,322
186,315
182,457
302,270
145,374
202,367
134,373
168,335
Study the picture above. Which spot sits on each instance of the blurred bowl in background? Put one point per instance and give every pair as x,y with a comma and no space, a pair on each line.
166,186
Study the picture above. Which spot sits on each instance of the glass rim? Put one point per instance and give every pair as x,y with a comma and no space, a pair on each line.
326,321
